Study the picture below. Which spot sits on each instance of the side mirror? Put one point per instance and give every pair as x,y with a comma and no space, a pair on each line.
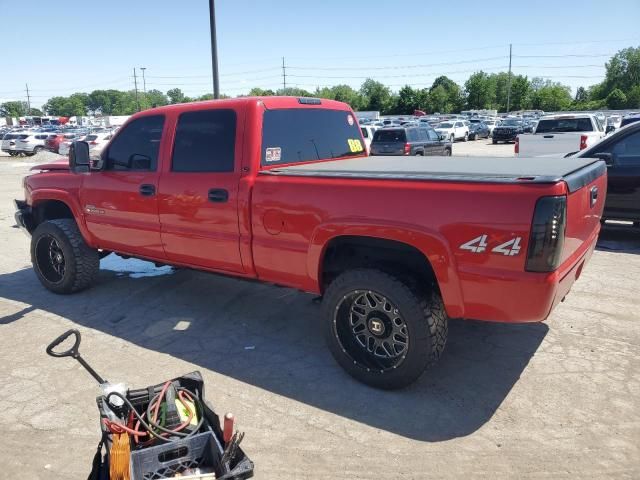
610,128
606,156
79,160
441,137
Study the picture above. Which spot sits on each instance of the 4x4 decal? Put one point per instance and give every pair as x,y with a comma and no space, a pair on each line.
480,244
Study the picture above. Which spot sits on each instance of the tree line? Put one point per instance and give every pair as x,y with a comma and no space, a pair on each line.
620,89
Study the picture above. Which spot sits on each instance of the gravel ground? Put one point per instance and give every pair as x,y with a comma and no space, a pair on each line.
560,399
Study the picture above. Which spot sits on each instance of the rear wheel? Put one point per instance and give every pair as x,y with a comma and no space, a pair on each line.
419,154
494,141
466,136
63,262
380,331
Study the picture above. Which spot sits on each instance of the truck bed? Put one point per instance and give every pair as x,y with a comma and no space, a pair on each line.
576,172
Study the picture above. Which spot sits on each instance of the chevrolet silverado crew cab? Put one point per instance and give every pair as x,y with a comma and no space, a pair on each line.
557,135
280,189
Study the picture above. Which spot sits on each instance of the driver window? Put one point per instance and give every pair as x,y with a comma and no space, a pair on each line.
135,147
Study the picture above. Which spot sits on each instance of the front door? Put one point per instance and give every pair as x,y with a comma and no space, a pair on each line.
198,202
120,202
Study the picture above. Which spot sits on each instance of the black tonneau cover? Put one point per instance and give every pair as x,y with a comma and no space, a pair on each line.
577,172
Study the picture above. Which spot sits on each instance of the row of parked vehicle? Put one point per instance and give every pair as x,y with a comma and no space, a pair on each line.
26,142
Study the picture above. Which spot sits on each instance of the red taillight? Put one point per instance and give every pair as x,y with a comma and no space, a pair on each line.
516,146
583,142
407,149
93,143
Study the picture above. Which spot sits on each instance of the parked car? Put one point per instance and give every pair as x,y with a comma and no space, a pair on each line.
65,144
478,129
453,130
614,122
97,142
31,143
9,143
394,247
491,124
52,143
409,141
507,130
560,134
630,119
621,151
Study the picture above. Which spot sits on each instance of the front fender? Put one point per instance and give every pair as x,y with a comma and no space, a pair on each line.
430,243
40,196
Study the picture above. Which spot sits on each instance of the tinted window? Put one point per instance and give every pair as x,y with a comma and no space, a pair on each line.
136,145
299,135
422,135
565,125
628,120
432,134
205,141
389,136
365,132
412,135
626,152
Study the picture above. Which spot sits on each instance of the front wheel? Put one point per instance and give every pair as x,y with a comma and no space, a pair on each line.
494,141
380,331
63,262
447,153
466,136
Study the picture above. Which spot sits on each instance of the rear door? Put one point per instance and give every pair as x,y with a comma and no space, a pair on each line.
198,204
389,141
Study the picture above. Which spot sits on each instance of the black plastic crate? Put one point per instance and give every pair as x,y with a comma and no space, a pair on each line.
164,461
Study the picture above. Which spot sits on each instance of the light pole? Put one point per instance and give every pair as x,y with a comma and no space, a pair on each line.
214,49
144,82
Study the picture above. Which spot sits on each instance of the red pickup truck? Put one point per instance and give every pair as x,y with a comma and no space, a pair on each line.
280,189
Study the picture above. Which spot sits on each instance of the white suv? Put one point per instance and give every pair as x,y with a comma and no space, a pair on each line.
31,143
453,130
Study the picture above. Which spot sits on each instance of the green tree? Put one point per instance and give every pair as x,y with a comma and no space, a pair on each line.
176,96
155,98
581,95
259,92
439,100
633,97
552,96
376,96
480,90
520,93
623,71
455,99
35,112
294,92
616,100
407,101
13,109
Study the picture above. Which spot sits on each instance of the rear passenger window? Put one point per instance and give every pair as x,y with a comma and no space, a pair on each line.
412,135
136,145
422,135
205,141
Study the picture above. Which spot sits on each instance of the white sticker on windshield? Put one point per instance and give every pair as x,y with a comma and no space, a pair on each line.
350,119
273,154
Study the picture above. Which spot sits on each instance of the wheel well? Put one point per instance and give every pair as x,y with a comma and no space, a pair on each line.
50,210
396,258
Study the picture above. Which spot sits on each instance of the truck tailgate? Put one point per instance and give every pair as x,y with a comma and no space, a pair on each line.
542,144
585,203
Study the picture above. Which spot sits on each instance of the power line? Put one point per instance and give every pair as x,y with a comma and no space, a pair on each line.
398,67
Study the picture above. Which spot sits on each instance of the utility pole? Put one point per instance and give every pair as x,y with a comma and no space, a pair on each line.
214,49
28,100
284,75
509,84
135,82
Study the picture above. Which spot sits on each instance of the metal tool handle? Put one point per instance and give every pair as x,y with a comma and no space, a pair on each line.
73,352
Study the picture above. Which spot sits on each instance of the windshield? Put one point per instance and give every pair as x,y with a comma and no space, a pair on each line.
565,125
303,135
445,125
389,136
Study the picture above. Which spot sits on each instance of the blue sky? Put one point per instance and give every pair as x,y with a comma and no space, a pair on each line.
63,47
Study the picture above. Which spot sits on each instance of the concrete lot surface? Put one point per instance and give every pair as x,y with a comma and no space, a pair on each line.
559,399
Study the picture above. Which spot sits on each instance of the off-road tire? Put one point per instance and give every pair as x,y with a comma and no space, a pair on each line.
423,314
82,262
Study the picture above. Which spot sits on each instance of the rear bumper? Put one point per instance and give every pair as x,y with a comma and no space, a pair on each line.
23,216
521,297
